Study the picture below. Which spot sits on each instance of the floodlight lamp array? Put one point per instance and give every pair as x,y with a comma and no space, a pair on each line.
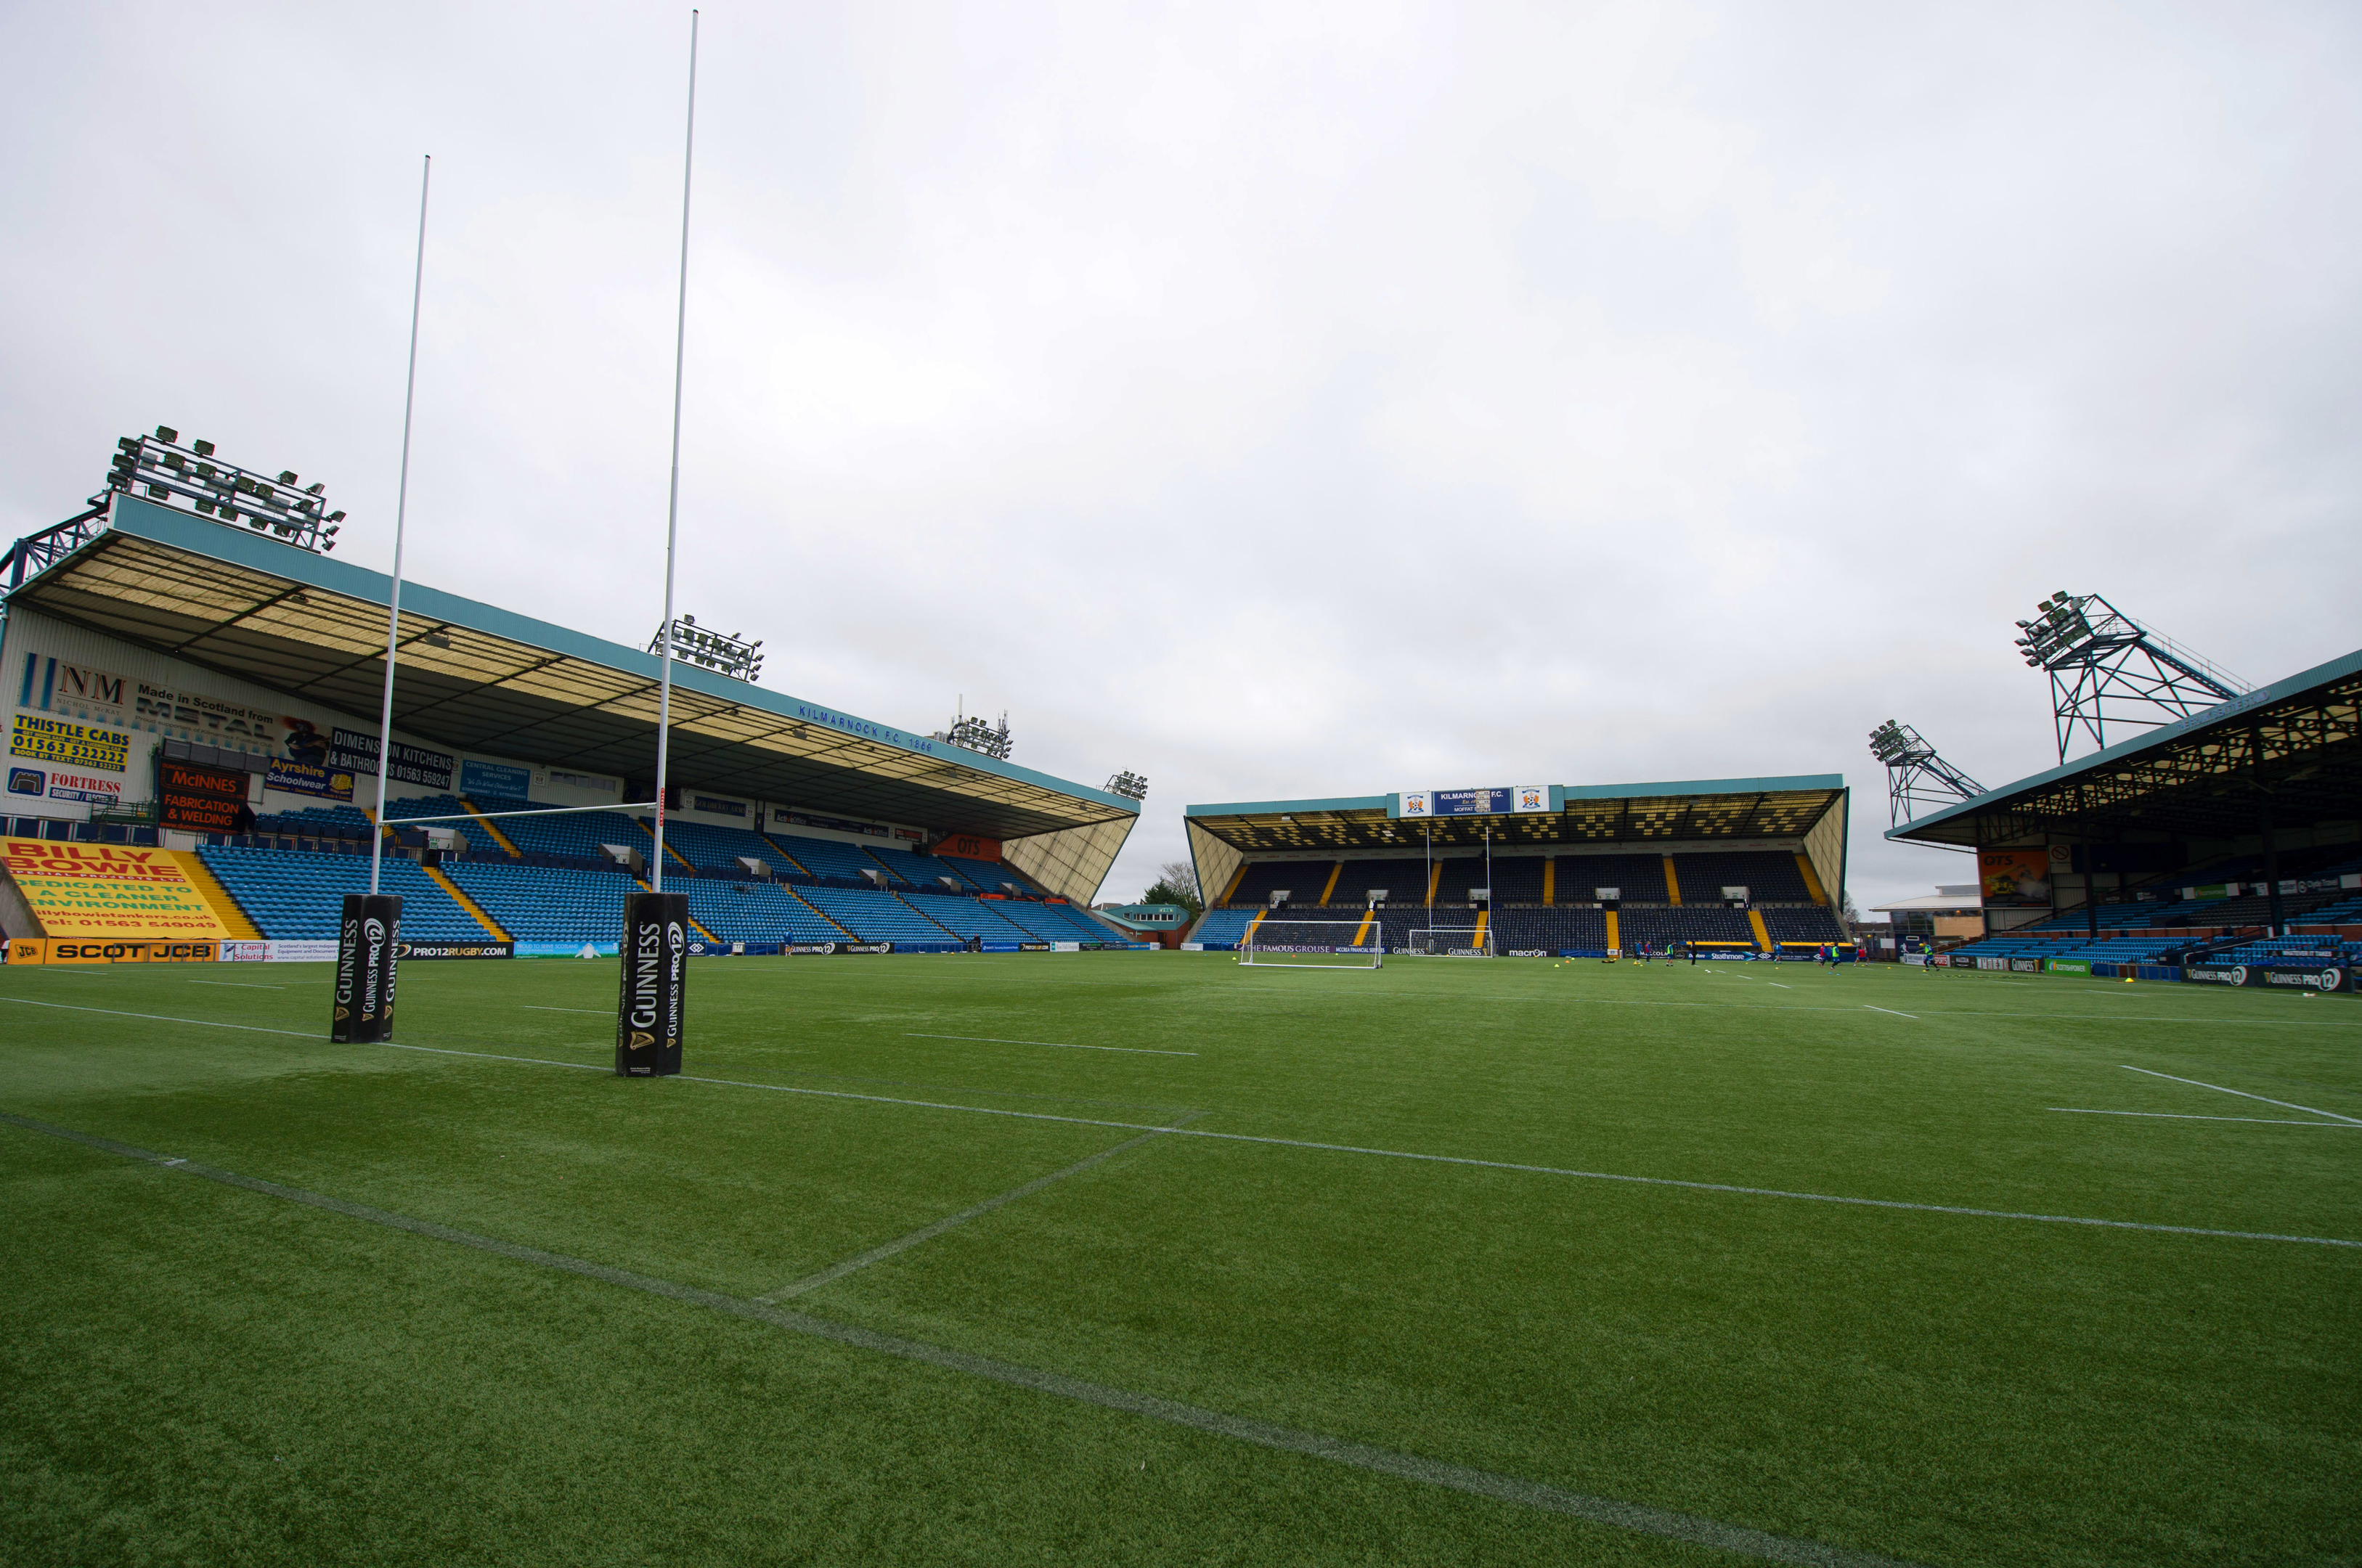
972,732
731,655
157,468
1129,785
2058,628
1898,744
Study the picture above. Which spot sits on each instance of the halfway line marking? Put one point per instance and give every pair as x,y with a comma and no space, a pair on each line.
2242,1094
1891,1013
1054,1044
2184,1116
237,985
594,1012
1637,1517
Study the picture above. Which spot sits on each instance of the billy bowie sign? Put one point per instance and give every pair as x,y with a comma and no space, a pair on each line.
110,890
654,953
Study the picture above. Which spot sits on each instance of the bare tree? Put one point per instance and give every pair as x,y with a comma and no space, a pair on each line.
1177,883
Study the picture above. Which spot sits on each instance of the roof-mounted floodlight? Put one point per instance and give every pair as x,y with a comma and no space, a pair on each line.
165,473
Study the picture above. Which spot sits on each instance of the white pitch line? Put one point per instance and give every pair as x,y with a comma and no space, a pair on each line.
237,985
2186,1116
1560,999
1777,985
161,1017
1325,1148
594,1012
1054,1044
1892,1013
2242,1094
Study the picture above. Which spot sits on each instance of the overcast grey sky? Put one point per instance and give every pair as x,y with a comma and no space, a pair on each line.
1278,400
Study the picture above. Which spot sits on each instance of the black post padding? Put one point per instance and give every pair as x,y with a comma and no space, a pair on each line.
652,1001
361,1008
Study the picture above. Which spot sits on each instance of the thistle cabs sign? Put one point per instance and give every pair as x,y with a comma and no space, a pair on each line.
110,890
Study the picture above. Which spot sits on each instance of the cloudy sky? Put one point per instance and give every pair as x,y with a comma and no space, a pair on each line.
1275,400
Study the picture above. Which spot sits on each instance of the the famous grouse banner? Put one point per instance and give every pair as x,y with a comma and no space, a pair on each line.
111,889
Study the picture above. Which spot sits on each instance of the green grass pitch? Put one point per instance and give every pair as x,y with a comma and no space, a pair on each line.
486,1303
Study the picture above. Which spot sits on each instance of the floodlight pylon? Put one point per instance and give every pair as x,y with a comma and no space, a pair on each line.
2107,669
1916,776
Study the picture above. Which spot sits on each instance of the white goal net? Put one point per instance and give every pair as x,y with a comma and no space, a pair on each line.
1451,942
1313,945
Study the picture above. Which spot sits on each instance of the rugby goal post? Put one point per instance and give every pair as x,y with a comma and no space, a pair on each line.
1312,945
1451,942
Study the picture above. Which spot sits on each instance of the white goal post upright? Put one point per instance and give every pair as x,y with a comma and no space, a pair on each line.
1312,945
1451,942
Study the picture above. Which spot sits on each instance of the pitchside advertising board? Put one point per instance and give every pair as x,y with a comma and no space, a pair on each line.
361,990
86,950
648,1007
2328,978
1495,800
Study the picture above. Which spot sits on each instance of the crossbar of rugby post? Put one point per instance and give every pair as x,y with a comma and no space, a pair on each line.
536,811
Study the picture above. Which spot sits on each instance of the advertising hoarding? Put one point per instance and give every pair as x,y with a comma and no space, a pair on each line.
2015,878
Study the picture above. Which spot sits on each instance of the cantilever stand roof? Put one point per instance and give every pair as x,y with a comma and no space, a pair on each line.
2297,743
495,681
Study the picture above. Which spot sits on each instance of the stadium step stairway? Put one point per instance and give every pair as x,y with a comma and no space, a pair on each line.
459,897
492,829
646,843
217,899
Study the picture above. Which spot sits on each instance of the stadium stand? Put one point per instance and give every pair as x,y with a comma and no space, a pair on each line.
1405,881
575,836
1768,876
966,917
987,876
1516,878
754,911
1660,924
1813,923
1533,927
479,838
297,897
824,860
718,849
1641,878
875,916
543,904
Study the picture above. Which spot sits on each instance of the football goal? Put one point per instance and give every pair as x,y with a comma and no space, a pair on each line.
1451,942
1312,945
